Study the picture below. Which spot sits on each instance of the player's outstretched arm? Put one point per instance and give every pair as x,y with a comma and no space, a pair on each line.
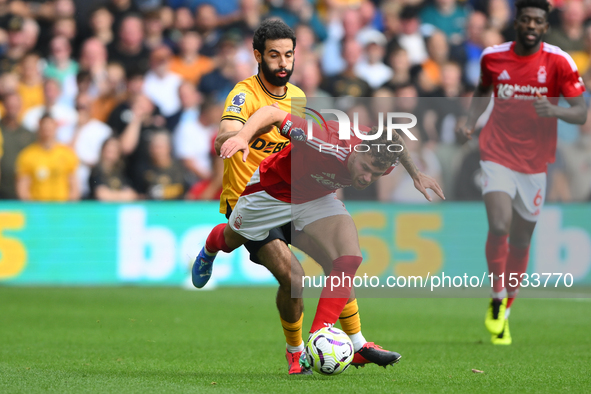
421,181
480,101
256,125
575,114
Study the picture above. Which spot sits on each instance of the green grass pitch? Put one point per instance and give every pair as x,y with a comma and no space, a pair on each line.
161,340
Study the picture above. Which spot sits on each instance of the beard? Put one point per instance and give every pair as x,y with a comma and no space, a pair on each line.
528,45
271,75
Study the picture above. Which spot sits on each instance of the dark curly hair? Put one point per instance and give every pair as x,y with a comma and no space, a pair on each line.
272,29
382,155
541,4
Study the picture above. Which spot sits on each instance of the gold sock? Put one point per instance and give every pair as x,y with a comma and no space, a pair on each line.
293,331
350,320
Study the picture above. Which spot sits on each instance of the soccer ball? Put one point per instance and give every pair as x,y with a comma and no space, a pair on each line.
329,351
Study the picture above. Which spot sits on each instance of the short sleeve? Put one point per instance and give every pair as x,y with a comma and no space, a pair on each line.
571,82
240,104
485,75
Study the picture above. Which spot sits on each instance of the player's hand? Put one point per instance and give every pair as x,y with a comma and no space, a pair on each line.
233,145
543,107
424,182
464,131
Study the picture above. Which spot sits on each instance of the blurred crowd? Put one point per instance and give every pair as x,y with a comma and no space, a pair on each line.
120,100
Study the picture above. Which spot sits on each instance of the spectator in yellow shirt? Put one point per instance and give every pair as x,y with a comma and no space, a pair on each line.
46,170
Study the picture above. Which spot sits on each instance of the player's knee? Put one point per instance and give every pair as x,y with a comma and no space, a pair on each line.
499,227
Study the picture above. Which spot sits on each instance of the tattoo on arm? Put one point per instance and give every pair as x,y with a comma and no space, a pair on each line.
406,160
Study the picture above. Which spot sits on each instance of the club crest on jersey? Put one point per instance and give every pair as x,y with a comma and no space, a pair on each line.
542,74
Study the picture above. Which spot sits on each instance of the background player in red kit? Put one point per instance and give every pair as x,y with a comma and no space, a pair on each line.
517,143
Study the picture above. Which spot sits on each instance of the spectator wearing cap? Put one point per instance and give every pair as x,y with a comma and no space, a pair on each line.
30,87
64,115
447,16
161,85
16,45
189,64
371,68
16,138
129,48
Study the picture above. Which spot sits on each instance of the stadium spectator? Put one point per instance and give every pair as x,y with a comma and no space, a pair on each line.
111,93
93,59
296,12
154,31
401,69
307,76
16,46
128,49
447,16
193,136
570,35
101,25
160,84
62,68
142,120
347,83
371,68
577,164
65,27
306,49
16,138
86,139
163,178
30,88
206,23
120,9
500,19
65,116
468,53
189,64
340,30
46,169
438,50
222,79
108,181
411,38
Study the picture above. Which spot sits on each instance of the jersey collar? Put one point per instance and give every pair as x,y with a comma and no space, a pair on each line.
273,96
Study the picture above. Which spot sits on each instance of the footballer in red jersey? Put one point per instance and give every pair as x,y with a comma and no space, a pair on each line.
526,78
297,185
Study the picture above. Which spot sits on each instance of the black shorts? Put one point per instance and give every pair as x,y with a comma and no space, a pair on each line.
283,233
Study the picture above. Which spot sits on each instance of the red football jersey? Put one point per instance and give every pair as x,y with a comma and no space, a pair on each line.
515,136
307,170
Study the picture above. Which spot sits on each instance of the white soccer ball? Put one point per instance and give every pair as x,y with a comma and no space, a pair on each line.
329,351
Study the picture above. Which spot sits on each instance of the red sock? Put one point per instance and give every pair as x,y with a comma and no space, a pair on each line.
216,241
516,265
333,300
510,301
496,258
